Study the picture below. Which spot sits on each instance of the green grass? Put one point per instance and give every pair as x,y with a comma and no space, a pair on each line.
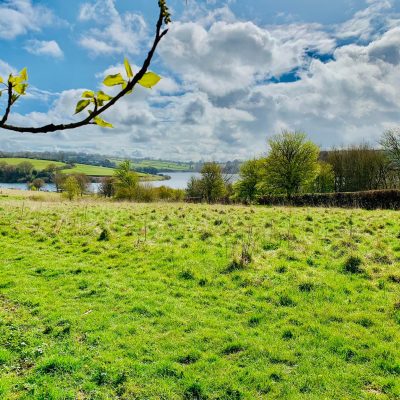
90,170
129,301
168,166
37,164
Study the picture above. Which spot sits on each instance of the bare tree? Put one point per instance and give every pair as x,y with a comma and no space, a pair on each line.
390,141
16,86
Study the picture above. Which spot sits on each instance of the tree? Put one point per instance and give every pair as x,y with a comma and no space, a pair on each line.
212,182
16,85
71,187
25,168
247,188
58,180
83,182
127,181
390,142
107,186
325,180
292,163
194,189
36,184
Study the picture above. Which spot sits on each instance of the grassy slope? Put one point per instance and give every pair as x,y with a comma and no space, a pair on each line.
164,319
161,165
90,170
38,164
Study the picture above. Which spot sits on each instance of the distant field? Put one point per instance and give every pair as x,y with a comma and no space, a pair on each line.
38,164
90,170
103,300
160,165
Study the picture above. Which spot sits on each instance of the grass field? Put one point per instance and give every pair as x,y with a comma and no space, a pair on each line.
127,301
37,164
90,170
168,166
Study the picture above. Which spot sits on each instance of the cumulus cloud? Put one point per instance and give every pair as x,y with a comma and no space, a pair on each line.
230,56
17,17
114,33
44,48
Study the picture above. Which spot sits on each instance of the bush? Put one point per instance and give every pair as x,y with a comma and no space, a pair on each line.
369,200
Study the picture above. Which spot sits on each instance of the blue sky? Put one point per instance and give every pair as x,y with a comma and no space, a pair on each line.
234,73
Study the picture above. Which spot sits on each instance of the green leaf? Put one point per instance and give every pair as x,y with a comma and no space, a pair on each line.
149,80
88,94
101,96
102,123
1,80
24,74
82,104
128,68
112,80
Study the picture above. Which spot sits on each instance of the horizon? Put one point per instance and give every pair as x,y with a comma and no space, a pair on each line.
329,70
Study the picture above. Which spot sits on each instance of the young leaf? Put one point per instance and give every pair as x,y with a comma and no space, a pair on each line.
24,74
103,96
82,104
102,123
128,68
149,80
88,94
1,80
112,80
21,88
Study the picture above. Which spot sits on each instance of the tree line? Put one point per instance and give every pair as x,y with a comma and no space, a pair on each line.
295,165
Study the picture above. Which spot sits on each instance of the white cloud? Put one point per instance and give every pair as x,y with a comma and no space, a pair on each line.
17,17
230,56
116,33
43,47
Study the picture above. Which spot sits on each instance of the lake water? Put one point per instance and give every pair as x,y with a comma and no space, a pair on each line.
178,180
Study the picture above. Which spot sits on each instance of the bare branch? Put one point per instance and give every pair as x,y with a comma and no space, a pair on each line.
160,33
9,105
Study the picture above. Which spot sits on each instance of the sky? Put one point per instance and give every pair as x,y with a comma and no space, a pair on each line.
234,73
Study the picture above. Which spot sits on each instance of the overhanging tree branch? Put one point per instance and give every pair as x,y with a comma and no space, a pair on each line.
147,79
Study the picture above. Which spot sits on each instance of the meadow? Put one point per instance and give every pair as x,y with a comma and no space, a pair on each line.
105,300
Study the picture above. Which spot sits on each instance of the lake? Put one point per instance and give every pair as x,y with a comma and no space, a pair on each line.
178,180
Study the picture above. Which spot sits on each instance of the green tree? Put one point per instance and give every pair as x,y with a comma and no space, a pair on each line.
71,188
194,189
292,163
212,182
36,184
325,180
127,181
246,188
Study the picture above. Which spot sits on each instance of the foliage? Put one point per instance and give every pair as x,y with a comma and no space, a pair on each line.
291,164
107,186
36,184
247,188
211,187
360,167
127,181
70,187
157,316
325,180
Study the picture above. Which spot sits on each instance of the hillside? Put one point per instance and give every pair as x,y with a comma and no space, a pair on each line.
91,170
114,300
